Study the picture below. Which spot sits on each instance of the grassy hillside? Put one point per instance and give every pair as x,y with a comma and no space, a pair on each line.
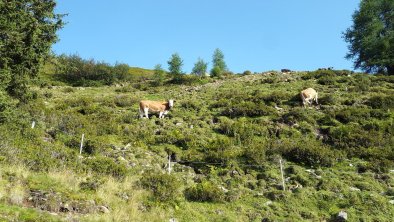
225,138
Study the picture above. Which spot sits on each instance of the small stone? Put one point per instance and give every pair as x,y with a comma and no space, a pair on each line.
354,189
342,216
391,201
219,212
268,203
104,209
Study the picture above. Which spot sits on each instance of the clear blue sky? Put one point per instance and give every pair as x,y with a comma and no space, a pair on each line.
255,35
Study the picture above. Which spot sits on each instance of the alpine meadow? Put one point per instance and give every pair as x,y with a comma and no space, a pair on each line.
76,143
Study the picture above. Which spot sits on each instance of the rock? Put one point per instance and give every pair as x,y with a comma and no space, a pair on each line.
103,209
121,159
354,189
391,201
233,173
127,146
310,170
66,208
172,220
268,203
223,188
91,202
219,212
342,216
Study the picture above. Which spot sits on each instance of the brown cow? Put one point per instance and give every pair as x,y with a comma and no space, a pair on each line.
155,107
308,95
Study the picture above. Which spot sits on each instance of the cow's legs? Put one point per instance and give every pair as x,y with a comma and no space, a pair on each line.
141,113
161,115
303,100
146,112
316,99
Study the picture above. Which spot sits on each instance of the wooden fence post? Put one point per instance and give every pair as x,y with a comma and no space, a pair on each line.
283,178
80,148
169,163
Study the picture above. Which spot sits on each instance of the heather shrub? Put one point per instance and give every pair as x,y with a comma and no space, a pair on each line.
381,102
205,191
105,166
165,187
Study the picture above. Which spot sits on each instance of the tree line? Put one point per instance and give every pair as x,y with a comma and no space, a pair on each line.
28,29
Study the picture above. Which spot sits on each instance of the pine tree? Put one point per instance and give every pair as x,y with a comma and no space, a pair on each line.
27,32
219,65
371,37
200,68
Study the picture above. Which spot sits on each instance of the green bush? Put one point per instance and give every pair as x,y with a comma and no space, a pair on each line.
326,80
352,114
220,149
7,107
328,100
125,101
307,151
105,166
381,102
191,104
297,115
79,72
91,184
205,191
249,109
275,97
325,74
76,71
351,136
362,82
165,187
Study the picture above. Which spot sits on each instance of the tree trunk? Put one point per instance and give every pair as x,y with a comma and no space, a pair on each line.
390,70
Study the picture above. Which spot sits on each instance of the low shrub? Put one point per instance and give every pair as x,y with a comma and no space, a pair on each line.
297,115
91,184
105,166
307,151
125,101
326,80
165,187
7,107
362,83
221,149
205,191
328,100
381,102
352,114
351,136
249,109
191,104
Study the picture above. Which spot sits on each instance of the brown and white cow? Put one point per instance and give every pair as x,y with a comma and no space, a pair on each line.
160,107
308,95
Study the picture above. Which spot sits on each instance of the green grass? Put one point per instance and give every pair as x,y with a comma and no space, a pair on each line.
226,135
